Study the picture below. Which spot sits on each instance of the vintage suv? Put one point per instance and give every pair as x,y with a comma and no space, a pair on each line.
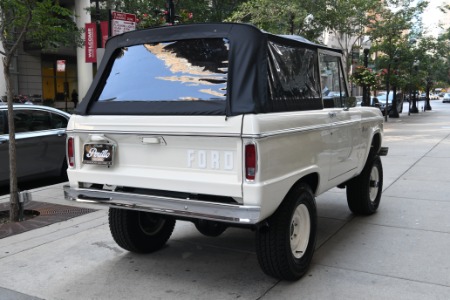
222,125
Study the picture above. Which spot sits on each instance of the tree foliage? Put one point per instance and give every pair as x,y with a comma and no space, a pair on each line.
153,12
387,32
348,20
43,23
282,17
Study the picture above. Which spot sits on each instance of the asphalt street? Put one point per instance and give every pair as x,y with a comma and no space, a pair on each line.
401,252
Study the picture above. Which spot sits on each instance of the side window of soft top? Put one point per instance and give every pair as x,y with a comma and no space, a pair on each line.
293,77
334,91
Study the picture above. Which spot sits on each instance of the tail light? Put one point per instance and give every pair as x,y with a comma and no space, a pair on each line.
250,161
70,152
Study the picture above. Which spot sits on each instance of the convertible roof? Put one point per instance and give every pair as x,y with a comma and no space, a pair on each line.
247,90
204,30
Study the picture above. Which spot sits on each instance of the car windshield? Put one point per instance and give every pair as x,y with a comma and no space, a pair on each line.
382,97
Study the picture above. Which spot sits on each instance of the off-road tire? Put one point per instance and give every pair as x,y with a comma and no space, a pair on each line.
140,232
285,247
364,191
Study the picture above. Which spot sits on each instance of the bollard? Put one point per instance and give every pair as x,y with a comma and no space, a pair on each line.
24,198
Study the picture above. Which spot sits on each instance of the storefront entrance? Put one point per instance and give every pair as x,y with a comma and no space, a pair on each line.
59,80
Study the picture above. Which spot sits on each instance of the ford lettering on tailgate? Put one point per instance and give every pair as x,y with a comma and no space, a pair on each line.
202,159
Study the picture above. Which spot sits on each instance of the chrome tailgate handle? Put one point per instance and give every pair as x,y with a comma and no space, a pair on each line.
153,140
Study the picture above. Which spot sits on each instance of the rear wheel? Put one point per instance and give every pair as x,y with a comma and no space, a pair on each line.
285,248
364,191
138,231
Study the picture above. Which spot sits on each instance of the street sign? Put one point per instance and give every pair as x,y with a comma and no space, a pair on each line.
122,22
60,65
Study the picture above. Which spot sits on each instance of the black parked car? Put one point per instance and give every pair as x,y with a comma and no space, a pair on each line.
380,102
40,142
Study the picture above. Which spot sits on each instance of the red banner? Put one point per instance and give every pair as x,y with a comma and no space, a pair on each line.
104,27
91,42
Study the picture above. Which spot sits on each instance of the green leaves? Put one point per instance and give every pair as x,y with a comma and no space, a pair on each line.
282,17
42,23
365,77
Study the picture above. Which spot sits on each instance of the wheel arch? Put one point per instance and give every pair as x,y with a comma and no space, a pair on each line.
375,144
312,180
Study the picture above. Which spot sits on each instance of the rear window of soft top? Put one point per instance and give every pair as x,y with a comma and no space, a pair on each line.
184,70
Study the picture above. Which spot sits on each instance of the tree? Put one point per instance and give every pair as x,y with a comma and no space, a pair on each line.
443,52
348,20
430,63
153,12
220,10
42,23
283,17
388,33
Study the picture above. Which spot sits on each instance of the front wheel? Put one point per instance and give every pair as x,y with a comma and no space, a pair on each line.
364,191
286,246
138,231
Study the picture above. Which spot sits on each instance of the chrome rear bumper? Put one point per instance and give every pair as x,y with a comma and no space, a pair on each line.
230,213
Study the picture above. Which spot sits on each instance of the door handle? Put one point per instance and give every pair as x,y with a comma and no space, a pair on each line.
153,140
332,114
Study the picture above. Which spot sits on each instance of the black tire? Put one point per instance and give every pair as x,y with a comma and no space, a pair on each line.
140,232
210,228
63,173
364,191
285,249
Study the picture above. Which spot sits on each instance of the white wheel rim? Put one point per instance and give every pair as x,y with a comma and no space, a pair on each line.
300,231
374,183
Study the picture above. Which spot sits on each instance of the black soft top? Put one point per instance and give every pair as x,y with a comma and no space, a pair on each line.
248,71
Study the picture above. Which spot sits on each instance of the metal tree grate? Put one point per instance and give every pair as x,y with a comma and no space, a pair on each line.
43,214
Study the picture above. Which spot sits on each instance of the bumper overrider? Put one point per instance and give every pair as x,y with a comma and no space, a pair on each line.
183,208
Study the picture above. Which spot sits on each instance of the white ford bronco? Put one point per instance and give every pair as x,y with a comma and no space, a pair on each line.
222,125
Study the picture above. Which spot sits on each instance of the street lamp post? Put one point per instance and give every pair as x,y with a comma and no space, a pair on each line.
170,16
414,109
412,99
366,89
427,105
394,112
365,99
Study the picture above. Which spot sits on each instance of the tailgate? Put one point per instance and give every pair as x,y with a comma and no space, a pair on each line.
192,154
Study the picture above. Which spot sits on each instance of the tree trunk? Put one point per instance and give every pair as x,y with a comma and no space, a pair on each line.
13,190
291,23
427,105
394,111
